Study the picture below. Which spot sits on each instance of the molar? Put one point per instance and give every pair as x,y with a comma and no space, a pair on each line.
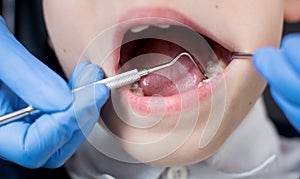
136,89
213,69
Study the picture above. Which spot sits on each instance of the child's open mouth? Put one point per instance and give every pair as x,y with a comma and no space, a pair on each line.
142,42
145,41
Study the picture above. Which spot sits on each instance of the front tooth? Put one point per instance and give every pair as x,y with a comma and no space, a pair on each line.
139,28
165,26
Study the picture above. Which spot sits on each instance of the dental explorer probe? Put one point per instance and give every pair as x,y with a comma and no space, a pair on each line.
132,76
117,81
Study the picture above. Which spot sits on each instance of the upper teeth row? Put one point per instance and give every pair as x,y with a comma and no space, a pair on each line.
144,27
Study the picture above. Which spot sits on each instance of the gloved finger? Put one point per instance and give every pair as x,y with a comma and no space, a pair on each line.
88,100
29,78
59,157
290,109
291,49
78,70
9,101
82,74
276,69
33,144
64,153
85,73
86,106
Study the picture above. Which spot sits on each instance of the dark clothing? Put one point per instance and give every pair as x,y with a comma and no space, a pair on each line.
9,170
0,7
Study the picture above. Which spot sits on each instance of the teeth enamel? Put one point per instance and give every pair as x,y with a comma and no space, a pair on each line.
164,26
139,29
136,89
213,69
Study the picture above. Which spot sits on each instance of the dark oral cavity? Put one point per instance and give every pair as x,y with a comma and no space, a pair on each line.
180,77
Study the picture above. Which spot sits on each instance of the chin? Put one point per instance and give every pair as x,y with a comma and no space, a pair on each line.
178,116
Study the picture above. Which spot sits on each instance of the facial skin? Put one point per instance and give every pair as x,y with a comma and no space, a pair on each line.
291,12
242,26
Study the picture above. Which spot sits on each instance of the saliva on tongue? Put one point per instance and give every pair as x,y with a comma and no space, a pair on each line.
180,77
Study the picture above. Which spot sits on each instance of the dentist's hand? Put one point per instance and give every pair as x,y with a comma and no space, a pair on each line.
281,68
50,138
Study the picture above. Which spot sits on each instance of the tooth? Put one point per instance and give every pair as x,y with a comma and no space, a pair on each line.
139,28
136,89
138,92
164,26
134,86
222,64
200,84
213,69
206,81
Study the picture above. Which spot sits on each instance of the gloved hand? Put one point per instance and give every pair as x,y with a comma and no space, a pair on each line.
281,68
47,139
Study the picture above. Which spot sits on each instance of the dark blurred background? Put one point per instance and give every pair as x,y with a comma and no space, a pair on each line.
25,19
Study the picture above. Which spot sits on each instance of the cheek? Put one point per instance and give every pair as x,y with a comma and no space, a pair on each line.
69,32
244,26
291,11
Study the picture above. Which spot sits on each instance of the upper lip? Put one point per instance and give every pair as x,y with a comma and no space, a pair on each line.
152,16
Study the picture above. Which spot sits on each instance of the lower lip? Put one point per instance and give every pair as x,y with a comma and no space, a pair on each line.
172,104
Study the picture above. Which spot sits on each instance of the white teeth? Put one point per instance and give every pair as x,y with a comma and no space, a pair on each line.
213,69
136,89
145,27
139,28
164,26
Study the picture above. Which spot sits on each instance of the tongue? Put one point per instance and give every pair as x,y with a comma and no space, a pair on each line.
178,78
155,84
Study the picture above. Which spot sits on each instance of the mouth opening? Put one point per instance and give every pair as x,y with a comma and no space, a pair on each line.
142,42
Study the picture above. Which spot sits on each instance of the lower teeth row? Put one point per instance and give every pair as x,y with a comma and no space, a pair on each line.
213,69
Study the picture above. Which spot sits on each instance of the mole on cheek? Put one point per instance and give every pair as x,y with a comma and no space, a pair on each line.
217,6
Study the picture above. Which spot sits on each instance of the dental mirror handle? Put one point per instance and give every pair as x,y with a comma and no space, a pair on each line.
17,115
241,55
117,81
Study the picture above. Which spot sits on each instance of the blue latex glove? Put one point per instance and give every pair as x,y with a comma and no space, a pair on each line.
281,68
48,139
